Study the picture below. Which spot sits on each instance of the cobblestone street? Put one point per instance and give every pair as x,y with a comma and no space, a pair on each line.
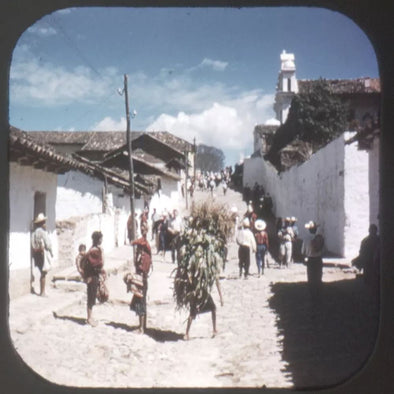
270,334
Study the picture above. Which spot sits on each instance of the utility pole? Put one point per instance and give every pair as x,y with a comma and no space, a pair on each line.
129,150
194,158
186,176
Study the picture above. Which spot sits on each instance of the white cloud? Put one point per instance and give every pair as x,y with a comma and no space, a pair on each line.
45,84
227,126
214,113
216,65
109,124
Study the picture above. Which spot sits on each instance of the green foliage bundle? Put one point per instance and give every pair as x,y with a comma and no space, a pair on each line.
201,253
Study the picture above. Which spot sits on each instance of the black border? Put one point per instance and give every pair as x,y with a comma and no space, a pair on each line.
375,19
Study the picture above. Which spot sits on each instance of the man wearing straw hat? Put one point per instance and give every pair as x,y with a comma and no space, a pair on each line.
261,244
247,243
41,249
312,249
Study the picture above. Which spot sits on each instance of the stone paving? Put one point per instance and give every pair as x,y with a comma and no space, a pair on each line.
264,328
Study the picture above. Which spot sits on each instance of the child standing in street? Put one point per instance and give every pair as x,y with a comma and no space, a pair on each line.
78,260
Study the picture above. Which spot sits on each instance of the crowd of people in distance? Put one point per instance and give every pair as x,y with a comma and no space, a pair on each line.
210,180
166,228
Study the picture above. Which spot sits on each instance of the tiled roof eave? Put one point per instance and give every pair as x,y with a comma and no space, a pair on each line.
28,152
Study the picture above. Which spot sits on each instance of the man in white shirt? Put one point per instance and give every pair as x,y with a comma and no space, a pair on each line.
312,250
247,243
175,228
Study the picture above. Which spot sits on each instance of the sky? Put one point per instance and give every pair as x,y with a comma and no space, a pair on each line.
203,73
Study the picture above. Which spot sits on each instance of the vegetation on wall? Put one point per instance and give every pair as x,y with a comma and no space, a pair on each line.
316,116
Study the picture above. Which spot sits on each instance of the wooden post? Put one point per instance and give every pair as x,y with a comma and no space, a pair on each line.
129,151
186,173
194,158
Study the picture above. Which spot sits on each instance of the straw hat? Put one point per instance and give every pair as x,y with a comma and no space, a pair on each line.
311,224
40,218
260,225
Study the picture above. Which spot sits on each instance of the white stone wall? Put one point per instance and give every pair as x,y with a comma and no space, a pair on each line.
330,188
78,230
170,196
80,203
78,195
374,176
357,201
24,182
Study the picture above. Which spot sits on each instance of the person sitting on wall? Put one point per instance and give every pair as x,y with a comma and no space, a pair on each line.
364,260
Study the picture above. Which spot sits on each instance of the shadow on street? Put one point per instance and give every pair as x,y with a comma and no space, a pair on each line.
327,341
78,320
154,333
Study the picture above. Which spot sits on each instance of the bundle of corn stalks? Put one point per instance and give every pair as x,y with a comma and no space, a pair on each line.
201,252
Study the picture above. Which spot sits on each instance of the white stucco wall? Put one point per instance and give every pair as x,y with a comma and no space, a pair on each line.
357,200
169,198
24,182
331,188
78,195
374,189
80,201
72,196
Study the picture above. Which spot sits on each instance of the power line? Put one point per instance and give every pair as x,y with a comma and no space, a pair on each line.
56,25
53,22
87,112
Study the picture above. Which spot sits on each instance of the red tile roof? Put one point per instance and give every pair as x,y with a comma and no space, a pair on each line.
27,151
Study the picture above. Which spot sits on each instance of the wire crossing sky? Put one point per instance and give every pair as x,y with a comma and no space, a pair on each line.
204,73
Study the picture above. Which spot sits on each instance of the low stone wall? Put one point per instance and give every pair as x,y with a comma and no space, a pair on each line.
78,230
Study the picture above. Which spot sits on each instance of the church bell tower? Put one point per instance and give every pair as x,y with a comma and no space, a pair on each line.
286,87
